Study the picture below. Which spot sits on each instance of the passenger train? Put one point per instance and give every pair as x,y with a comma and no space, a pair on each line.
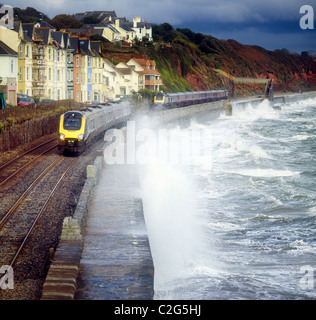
78,128
164,101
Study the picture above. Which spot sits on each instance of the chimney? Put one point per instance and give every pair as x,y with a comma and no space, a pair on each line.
135,21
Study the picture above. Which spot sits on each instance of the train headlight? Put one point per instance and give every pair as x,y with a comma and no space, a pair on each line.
61,136
80,137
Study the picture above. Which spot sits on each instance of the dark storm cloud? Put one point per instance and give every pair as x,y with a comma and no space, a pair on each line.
270,23
176,11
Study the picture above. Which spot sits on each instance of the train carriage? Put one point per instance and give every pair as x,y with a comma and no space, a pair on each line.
164,101
78,128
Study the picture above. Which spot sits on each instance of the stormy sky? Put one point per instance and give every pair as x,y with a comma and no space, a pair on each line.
272,24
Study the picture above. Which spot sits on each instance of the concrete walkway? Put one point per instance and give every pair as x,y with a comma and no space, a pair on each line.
116,261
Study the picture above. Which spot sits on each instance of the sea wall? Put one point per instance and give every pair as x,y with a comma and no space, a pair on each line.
288,98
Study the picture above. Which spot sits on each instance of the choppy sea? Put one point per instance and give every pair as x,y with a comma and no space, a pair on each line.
235,217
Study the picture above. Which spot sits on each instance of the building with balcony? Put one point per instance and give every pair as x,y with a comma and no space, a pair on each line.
98,93
129,79
152,77
69,59
25,54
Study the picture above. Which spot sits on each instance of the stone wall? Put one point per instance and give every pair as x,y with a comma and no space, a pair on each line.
61,280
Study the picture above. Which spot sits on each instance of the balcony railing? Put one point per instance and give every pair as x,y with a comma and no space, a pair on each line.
153,82
38,84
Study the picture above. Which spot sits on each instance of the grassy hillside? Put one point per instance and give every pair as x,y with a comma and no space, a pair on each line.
186,61
193,56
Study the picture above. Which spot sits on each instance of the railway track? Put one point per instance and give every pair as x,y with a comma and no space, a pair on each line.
28,216
11,168
33,205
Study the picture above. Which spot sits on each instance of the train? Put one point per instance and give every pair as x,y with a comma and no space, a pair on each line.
78,128
163,101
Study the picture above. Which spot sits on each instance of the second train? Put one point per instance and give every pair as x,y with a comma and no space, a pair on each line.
163,101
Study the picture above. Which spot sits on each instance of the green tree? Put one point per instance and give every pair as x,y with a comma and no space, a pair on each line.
164,32
65,21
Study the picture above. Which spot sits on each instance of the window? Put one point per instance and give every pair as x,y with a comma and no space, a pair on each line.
12,66
20,74
70,94
50,74
49,54
78,79
72,121
77,61
21,51
27,51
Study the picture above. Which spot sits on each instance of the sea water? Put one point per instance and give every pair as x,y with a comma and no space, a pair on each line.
237,218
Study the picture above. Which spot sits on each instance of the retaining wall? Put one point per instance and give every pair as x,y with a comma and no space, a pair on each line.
61,280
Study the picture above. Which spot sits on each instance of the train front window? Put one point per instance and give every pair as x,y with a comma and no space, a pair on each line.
72,122
159,97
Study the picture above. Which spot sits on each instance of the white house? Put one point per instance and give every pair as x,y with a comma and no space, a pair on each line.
130,79
142,29
9,43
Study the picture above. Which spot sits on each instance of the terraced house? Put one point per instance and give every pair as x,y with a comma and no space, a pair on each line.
60,65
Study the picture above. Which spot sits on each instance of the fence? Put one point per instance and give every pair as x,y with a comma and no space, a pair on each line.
38,108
